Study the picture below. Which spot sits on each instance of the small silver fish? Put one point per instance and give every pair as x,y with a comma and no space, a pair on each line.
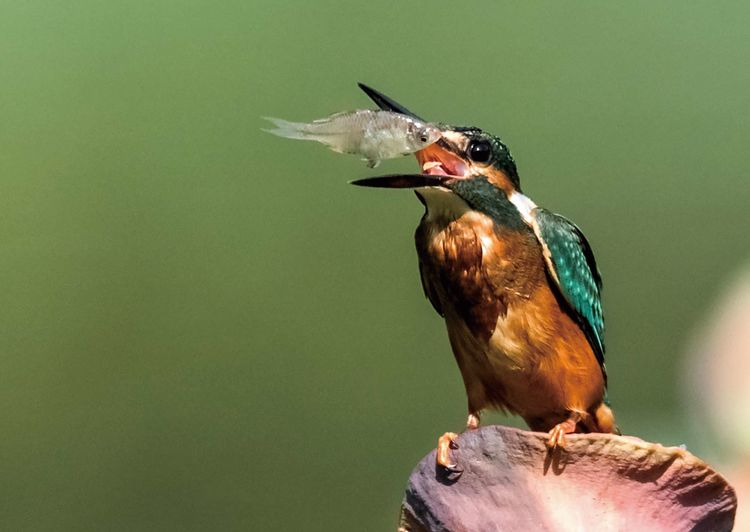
375,135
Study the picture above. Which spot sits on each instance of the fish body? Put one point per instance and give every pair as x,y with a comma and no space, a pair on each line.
374,135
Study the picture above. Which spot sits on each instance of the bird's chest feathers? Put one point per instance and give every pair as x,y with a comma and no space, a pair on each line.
489,280
459,237
469,263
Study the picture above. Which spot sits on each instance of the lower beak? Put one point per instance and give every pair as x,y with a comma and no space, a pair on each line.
404,181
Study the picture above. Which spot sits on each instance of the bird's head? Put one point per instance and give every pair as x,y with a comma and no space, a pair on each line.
465,161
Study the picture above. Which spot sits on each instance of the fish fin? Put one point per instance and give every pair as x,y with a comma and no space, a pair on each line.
289,130
372,163
334,116
287,134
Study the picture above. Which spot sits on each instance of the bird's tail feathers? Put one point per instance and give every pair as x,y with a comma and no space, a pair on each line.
605,420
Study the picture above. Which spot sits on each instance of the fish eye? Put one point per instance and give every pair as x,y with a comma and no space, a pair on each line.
480,151
424,135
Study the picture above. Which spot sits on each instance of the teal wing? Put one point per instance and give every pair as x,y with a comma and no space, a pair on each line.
571,265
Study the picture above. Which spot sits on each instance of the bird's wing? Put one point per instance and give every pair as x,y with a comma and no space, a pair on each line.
420,239
429,291
571,265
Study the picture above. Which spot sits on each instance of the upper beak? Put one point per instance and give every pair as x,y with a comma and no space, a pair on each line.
386,103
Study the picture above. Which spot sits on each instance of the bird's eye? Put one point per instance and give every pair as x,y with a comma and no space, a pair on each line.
480,151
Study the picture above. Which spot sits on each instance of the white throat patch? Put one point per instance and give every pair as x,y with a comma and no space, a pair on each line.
524,205
443,203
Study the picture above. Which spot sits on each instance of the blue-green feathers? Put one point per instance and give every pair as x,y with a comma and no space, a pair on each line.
571,265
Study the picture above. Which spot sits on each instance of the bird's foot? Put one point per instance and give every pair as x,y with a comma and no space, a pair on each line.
446,442
557,434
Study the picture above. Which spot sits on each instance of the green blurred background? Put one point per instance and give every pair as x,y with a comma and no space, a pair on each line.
204,327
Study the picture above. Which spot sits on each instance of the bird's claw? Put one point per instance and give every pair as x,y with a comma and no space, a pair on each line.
453,469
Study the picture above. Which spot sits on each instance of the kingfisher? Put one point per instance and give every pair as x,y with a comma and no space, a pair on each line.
516,284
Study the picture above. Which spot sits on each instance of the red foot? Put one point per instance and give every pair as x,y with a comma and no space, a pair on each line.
446,442
558,432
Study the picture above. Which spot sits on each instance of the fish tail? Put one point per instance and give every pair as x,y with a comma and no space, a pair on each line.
290,130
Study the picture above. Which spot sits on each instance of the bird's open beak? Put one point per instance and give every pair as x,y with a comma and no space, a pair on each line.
440,167
441,159
439,163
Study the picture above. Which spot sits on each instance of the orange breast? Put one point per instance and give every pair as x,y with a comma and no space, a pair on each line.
517,348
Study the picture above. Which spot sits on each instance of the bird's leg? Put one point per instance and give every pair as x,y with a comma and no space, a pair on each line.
558,432
447,441
472,422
